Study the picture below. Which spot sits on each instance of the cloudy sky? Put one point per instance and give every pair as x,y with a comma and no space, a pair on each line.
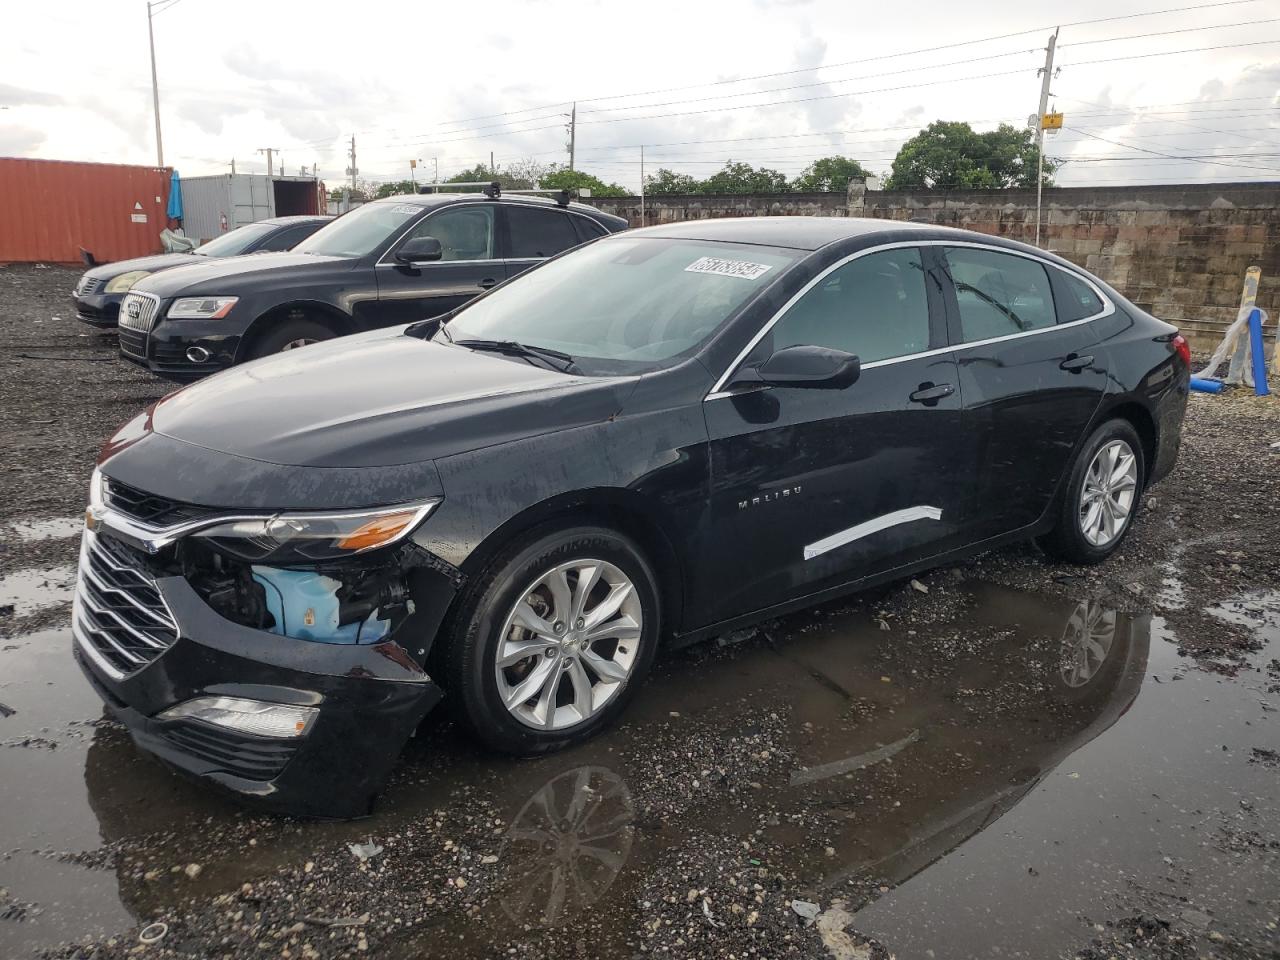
770,82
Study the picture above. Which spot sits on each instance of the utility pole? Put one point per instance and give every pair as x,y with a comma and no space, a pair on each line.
573,132
233,166
493,171
155,88
352,170
413,174
1046,75
270,151
642,222
435,167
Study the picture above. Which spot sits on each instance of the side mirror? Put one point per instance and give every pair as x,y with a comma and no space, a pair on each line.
804,366
420,250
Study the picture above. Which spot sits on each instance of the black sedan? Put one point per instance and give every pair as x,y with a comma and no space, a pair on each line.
98,293
659,437
388,262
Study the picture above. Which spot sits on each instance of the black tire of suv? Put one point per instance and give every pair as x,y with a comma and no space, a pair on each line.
471,642
1066,541
278,338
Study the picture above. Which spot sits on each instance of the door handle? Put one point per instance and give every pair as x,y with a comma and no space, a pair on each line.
1074,363
488,282
929,393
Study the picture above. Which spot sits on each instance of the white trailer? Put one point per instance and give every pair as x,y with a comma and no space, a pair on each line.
213,205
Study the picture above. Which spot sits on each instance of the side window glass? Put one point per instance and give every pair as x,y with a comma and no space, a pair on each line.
875,306
285,239
464,232
1080,300
587,228
999,293
539,233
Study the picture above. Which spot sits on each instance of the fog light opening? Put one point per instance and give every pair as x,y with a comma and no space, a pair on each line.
198,354
255,717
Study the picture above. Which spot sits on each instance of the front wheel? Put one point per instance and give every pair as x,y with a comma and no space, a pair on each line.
1101,498
289,336
548,647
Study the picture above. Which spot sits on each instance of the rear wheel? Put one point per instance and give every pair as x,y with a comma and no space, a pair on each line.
548,647
1101,498
289,336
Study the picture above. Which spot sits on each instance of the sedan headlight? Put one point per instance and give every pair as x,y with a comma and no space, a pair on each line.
123,282
201,308
307,537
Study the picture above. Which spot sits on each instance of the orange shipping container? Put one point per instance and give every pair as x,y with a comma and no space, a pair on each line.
49,209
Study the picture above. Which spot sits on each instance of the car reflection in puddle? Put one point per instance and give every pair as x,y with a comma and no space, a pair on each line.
567,845
888,779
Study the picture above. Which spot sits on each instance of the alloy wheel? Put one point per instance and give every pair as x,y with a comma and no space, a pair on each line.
1108,494
568,645
1086,642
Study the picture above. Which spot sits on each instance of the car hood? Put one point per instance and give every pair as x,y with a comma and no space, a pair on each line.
160,261
380,399
216,275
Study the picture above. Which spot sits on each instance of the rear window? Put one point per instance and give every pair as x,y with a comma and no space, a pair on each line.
999,293
1079,301
536,234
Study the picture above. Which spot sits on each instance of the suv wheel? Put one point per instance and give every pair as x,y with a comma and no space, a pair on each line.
1101,498
289,336
550,645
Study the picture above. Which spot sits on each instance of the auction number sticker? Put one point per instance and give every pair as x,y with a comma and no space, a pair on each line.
742,269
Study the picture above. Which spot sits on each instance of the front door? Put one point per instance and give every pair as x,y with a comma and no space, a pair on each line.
469,266
812,488
1031,379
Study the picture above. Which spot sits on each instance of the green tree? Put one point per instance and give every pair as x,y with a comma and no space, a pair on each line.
521,175
394,189
669,182
741,177
953,155
830,174
562,178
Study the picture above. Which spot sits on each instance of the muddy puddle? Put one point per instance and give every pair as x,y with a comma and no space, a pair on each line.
1008,784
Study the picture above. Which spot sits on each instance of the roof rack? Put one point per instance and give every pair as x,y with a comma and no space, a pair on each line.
493,190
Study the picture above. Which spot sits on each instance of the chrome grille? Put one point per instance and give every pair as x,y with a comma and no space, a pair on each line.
148,508
120,617
138,311
88,285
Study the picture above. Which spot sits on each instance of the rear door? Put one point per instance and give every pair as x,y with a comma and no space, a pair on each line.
535,233
468,237
1031,379
812,488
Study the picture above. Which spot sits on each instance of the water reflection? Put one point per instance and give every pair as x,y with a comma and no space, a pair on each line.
892,776
567,845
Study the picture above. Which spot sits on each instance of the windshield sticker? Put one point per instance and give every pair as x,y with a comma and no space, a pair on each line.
405,208
742,269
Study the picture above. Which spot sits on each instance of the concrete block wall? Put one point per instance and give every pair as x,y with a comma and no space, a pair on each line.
1179,251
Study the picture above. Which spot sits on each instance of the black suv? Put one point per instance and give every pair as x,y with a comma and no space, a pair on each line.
98,294
388,262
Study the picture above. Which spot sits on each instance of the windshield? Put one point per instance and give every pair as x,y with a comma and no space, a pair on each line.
236,242
625,304
360,232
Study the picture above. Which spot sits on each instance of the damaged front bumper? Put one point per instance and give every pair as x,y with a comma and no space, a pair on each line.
303,727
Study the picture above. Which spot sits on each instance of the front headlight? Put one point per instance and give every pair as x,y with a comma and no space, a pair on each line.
307,537
201,308
123,282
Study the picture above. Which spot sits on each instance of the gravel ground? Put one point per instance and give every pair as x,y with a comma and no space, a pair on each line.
739,882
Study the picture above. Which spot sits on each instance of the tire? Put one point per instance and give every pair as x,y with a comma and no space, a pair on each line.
287,334
570,699
1076,536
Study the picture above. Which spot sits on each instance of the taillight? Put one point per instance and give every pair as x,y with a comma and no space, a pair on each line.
1182,349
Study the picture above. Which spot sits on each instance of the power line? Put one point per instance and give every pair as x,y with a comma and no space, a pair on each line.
847,63
1170,53
1157,153
1166,33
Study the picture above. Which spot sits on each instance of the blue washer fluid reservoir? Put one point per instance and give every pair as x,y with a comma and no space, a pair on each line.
305,607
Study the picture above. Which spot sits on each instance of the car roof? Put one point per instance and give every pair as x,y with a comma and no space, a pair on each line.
301,218
813,233
798,233
440,199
